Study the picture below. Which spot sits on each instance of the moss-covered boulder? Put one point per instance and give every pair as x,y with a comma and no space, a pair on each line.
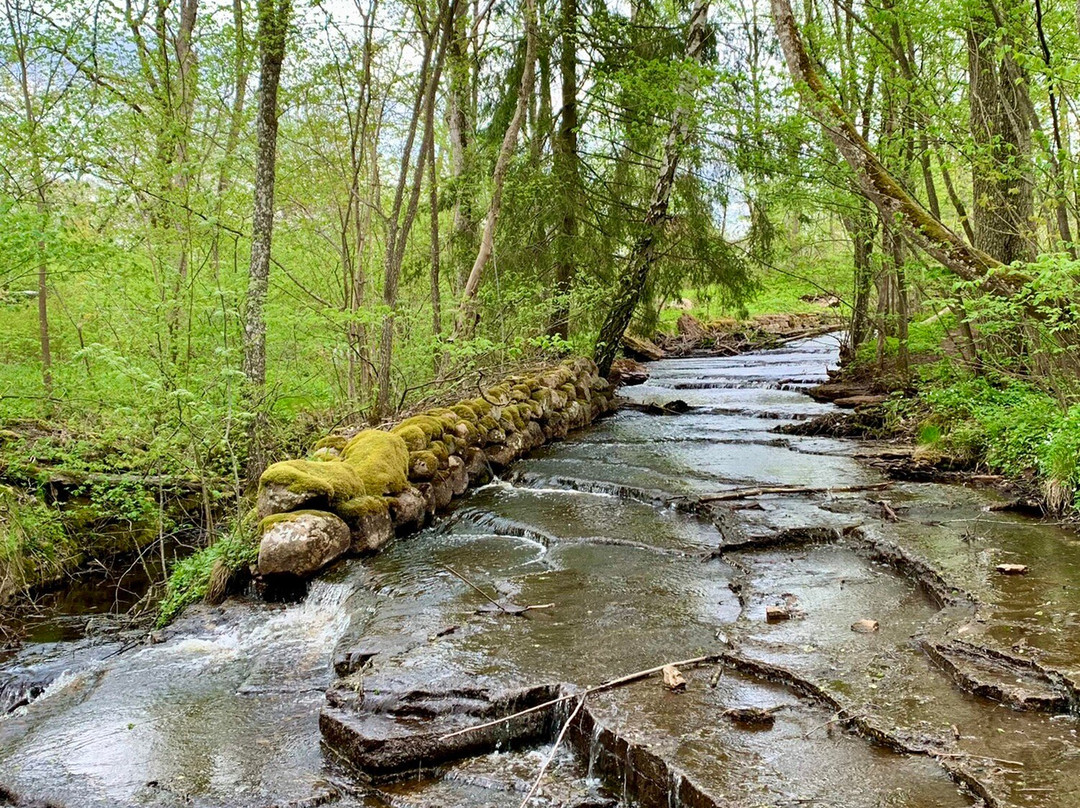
430,425
301,543
422,465
291,484
381,460
415,438
369,521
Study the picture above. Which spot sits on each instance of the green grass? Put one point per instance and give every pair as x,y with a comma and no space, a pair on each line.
191,578
1000,424
780,291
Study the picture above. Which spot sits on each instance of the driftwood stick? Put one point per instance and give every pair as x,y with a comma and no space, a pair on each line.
608,685
968,756
461,577
505,718
746,493
554,749
513,609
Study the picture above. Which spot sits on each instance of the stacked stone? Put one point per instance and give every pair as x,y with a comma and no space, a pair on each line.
353,495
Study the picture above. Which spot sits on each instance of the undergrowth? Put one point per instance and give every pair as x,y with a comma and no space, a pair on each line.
205,574
997,423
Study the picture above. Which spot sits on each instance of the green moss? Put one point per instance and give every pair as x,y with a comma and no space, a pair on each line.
466,413
520,392
189,580
268,522
331,442
499,393
471,434
439,450
488,423
428,459
513,414
334,479
480,406
355,510
431,426
381,460
413,436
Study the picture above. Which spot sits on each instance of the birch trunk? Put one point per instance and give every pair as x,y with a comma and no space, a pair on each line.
466,321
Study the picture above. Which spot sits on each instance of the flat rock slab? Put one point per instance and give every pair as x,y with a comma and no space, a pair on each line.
1017,682
388,733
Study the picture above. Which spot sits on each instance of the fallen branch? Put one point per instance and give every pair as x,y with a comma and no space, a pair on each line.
554,749
970,756
608,685
502,607
747,493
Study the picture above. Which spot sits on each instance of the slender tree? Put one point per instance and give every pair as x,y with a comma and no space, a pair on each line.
642,255
467,314
566,170
274,18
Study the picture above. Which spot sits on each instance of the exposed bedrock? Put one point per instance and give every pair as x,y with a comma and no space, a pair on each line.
352,494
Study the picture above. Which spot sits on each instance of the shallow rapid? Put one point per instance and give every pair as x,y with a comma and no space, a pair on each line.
609,527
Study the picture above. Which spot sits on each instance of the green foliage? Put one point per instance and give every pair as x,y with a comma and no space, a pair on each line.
190,578
34,545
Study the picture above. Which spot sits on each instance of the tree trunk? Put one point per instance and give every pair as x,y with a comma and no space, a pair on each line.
1001,182
460,120
642,255
273,26
433,190
182,108
466,321
566,172
236,122
861,228
41,200
400,228
893,202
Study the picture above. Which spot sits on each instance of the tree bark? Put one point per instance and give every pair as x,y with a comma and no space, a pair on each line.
1001,182
40,198
894,203
434,51
566,171
274,18
236,122
460,120
642,255
433,191
466,320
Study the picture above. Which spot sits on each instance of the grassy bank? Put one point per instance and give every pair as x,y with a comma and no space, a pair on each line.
986,419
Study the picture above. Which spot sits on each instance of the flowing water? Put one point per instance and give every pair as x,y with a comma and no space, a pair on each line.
224,709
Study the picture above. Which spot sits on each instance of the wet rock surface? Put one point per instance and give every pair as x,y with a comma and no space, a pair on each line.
963,693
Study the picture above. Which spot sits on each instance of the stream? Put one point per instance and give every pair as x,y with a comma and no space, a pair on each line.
223,707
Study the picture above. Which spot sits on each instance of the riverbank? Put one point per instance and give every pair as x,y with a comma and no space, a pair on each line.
952,424
657,538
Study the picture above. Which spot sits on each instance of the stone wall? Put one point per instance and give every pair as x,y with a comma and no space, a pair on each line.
351,495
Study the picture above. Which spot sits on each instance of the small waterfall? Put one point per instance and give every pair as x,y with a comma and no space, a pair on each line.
594,751
501,526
